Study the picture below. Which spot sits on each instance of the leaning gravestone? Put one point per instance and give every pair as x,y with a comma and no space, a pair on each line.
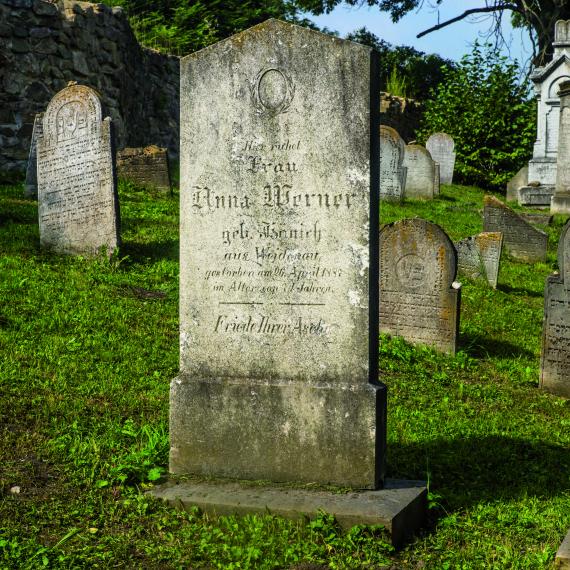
392,171
520,239
77,198
419,299
441,146
31,184
420,174
480,256
146,167
555,359
278,340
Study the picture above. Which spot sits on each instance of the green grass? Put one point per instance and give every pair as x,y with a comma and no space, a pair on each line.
89,347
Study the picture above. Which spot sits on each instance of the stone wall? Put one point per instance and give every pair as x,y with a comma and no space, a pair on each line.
401,114
44,44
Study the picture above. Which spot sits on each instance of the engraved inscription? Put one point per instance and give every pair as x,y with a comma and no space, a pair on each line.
272,91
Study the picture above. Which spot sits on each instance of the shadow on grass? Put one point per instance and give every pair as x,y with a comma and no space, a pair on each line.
479,346
487,468
154,250
519,290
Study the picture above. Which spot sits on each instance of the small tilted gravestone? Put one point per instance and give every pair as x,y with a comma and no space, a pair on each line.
421,173
147,167
555,360
31,184
419,298
392,171
77,196
479,257
278,252
441,146
521,240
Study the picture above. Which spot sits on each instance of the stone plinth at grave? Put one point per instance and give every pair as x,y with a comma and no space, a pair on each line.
479,257
279,253
146,167
419,298
441,146
519,180
31,184
77,198
392,171
521,240
560,203
540,219
535,196
555,360
421,173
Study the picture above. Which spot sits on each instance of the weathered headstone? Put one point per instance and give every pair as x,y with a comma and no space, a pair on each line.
420,174
146,167
31,184
555,360
278,340
517,181
441,146
562,560
392,171
419,299
540,219
480,256
77,197
520,239
560,203
535,196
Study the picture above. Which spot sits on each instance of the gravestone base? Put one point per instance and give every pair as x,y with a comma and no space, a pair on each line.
400,506
562,561
560,203
542,170
278,430
535,196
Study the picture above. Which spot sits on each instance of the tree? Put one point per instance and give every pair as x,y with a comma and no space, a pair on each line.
537,16
487,112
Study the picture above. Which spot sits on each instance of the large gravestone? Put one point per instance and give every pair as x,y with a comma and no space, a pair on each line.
278,248
441,146
421,173
146,167
419,298
77,197
31,184
480,256
560,203
555,360
520,239
392,171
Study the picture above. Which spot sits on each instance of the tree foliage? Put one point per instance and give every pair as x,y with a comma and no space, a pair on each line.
421,72
489,115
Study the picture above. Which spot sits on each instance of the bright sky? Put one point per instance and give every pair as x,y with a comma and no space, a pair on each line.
451,42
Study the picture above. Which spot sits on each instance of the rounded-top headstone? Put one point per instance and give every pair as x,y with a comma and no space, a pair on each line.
420,176
392,150
442,149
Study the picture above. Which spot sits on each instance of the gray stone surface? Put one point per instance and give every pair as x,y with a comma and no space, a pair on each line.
31,184
420,174
278,336
518,180
555,359
419,299
441,146
77,195
400,506
540,219
561,200
535,196
521,240
480,256
562,561
392,171
146,167
436,179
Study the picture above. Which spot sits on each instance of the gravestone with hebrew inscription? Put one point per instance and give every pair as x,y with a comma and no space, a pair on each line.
421,173
521,240
31,184
278,248
441,146
555,359
77,196
479,257
419,298
392,171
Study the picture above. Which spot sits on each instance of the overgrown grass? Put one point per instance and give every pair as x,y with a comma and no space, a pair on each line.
88,349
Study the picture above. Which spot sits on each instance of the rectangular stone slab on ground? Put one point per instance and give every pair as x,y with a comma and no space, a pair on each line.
279,262
520,239
562,561
399,507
